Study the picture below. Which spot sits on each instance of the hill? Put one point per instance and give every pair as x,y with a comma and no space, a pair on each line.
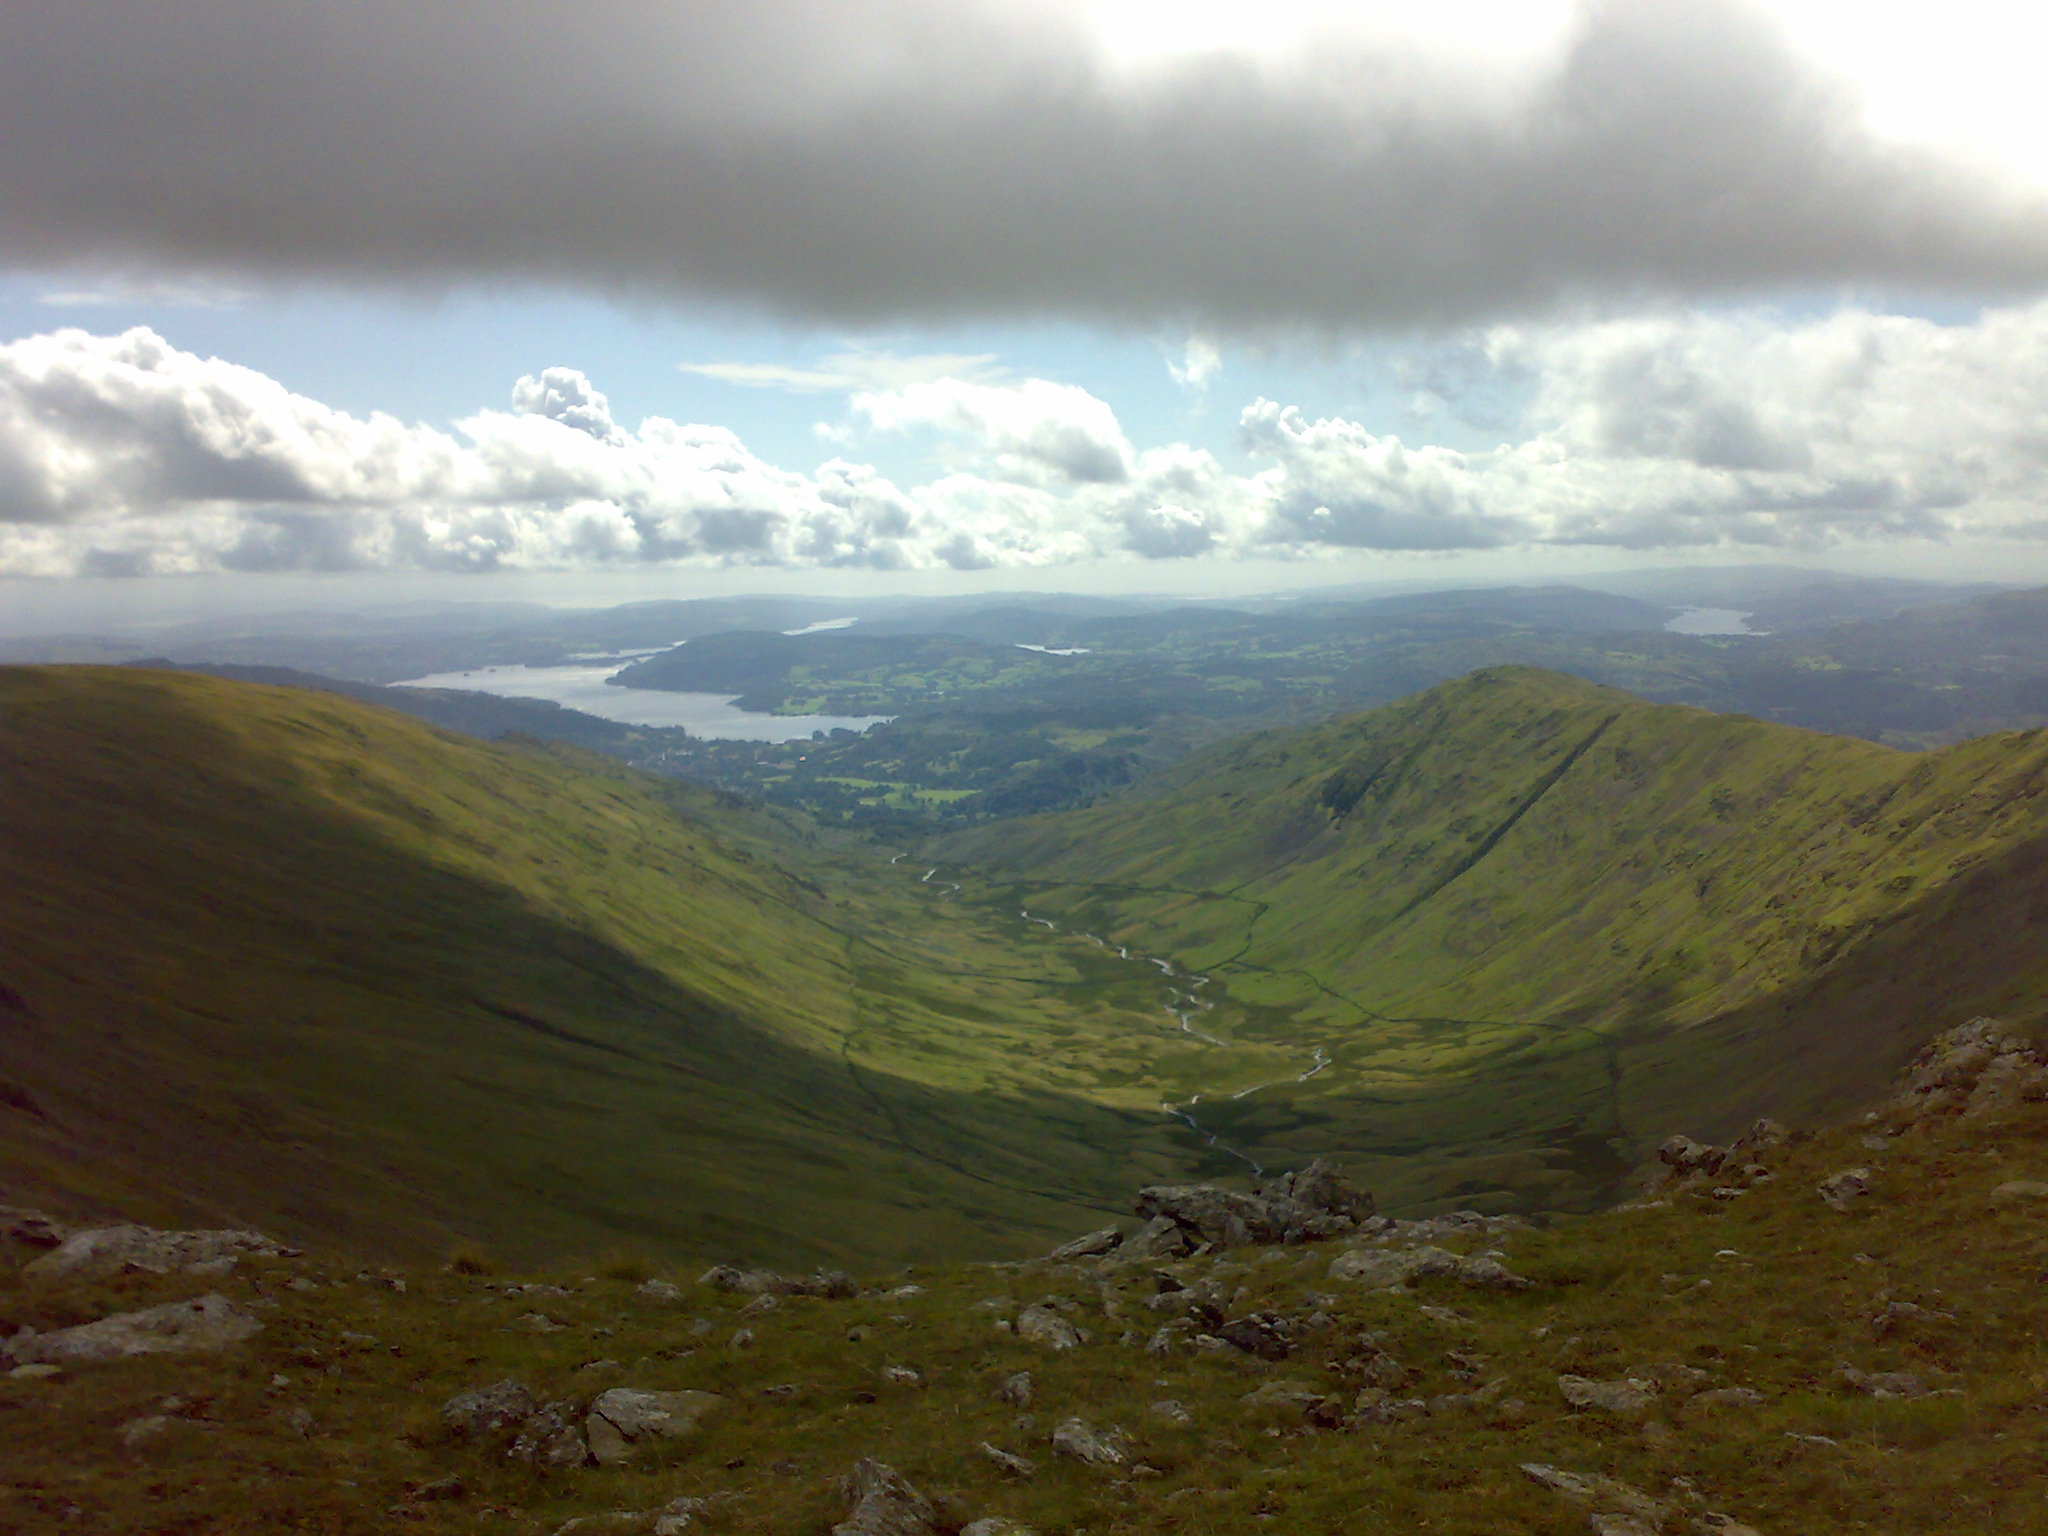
1529,921
1811,1333
280,958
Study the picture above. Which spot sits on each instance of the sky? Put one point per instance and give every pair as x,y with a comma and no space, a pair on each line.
480,300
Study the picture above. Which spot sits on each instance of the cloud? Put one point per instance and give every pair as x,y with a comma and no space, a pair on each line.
1031,431
862,368
1200,363
125,455
934,159
565,395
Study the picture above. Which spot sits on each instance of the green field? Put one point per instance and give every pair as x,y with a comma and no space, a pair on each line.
1534,923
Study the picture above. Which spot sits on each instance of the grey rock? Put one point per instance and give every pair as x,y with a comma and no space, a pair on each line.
1077,1439
1385,1268
1883,1384
1092,1246
1686,1157
1316,1203
659,1290
1291,1399
626,1418
1009,1461
108,1250
1172,1410
997,1525
551,1437
2020,1192
833,1283
1841,1190
1630,1395
1486,1271
209,1323
1042,1325
1265,1334
1601,1495
40,1371
884,1504
1160,1238
487,1410
1376,1405
1016,1390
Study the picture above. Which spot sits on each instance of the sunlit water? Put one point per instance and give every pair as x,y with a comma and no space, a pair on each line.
710,715
1711,621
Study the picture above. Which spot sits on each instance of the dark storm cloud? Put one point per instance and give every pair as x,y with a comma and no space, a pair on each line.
933,158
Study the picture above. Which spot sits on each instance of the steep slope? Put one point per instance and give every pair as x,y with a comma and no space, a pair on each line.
1528,919
277,957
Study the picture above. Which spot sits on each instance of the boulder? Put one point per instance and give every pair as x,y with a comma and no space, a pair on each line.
1318,1202
1265,1334
551,1437
1008,1461
833,1283
884,1504
487,1410
1385,1268
1842,1190
997,1525
1042,1325
1077,1439
2019,1192
659,1290
108,1250
1016,1390
624,1419
1291,1399
178,1327
1093,1245
1630,1395
1976,1069
1882,1384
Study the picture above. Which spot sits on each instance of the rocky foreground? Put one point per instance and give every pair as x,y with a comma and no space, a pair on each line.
1794,1333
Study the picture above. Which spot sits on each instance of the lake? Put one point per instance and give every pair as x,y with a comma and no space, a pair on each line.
711,715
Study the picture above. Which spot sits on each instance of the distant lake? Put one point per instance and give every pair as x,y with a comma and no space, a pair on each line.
1711,621
711,715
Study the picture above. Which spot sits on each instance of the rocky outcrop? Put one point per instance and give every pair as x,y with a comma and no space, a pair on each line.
1384,1268
1615,1508
1080,1441
1630,1395
1976,1069
626,1418
179,1327
1842,1190
834,1283
1042,1325
551,1437
1092,1245
1318,1202
109,1250
488,1410
32,1229
884,1504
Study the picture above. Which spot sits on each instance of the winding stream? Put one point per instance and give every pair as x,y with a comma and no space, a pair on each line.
1184,1005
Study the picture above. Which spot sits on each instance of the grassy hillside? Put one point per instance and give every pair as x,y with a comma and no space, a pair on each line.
279,958
1774,1364
1533,922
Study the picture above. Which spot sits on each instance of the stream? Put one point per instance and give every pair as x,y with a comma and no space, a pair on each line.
1184,1006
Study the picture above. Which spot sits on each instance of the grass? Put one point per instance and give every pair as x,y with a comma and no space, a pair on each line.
1790,1293
292,961
1535,921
